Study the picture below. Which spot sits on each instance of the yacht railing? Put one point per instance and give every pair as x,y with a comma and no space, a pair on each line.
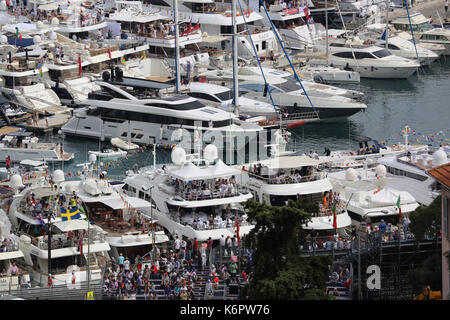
289,179
208,223
207,194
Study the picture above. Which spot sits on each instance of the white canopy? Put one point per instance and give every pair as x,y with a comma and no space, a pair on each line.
388,197
117,203
70,225
192,172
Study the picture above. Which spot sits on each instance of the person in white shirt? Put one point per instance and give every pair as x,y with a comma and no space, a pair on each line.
177,245
222,245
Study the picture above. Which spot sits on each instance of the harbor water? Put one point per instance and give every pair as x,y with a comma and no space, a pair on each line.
421,102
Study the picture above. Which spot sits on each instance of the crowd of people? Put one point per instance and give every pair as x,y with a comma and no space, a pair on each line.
171,274
338,276
200,190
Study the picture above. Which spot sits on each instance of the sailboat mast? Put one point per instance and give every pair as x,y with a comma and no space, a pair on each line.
177,48
387,22
235,58
326,27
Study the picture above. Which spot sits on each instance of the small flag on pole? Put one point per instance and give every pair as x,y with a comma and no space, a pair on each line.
383,37
399,209
334,216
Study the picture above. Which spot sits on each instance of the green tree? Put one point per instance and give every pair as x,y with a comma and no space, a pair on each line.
426,220
279,271
428,274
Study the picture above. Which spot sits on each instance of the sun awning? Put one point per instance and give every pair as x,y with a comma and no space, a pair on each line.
71,225
220,169
127,202
44,192
213,39
49,6
291,162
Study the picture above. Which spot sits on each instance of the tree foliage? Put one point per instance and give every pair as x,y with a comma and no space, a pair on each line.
428,274
280,272
426,220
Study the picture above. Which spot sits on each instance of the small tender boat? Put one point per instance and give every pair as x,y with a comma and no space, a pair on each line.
124,145
109,154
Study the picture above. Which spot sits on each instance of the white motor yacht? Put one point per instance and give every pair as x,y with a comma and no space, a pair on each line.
10,254
368,198
20,145
193,201
276,180
76,246
328,101
369,61
223,96
126,230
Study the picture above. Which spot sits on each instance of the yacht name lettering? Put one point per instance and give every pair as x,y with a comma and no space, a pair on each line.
197,310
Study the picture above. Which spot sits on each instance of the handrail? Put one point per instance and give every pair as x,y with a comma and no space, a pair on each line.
289,179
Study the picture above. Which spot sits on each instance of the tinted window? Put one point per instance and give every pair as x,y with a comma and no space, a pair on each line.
393,47
363,55
347,55
382,53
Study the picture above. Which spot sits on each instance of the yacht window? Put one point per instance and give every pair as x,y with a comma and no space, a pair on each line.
227,95
346,55
258,87
444,38
363,55
393,47
141,195
201,95
382,53
183,106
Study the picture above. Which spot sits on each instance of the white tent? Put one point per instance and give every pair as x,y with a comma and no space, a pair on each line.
117,203
220,169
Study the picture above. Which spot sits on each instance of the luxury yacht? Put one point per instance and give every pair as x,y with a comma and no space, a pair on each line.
368,198
424,31
10,258
20,145
400,46
76,246
193,201
126,230
223,96
410,173
276,180
328,101
369,61
143,119
215,21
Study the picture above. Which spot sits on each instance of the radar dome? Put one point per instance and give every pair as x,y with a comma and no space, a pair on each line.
58,176
37,39
39,24
381,170
178,155
439,158
16,181
55,21
211,153
52,35
351,174
92,158
177,135
3,39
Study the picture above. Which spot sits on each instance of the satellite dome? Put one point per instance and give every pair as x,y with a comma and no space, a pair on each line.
16,181
3,39
92,158
55,21
177,135
58,176
381,171
39,24
52,35
351,174
439,158
211,153
178,155
37,39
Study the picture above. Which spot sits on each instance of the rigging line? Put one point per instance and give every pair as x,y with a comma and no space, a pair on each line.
410,27
257,59
345,29
275,31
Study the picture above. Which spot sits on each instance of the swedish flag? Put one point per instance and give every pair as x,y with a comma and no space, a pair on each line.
70,214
